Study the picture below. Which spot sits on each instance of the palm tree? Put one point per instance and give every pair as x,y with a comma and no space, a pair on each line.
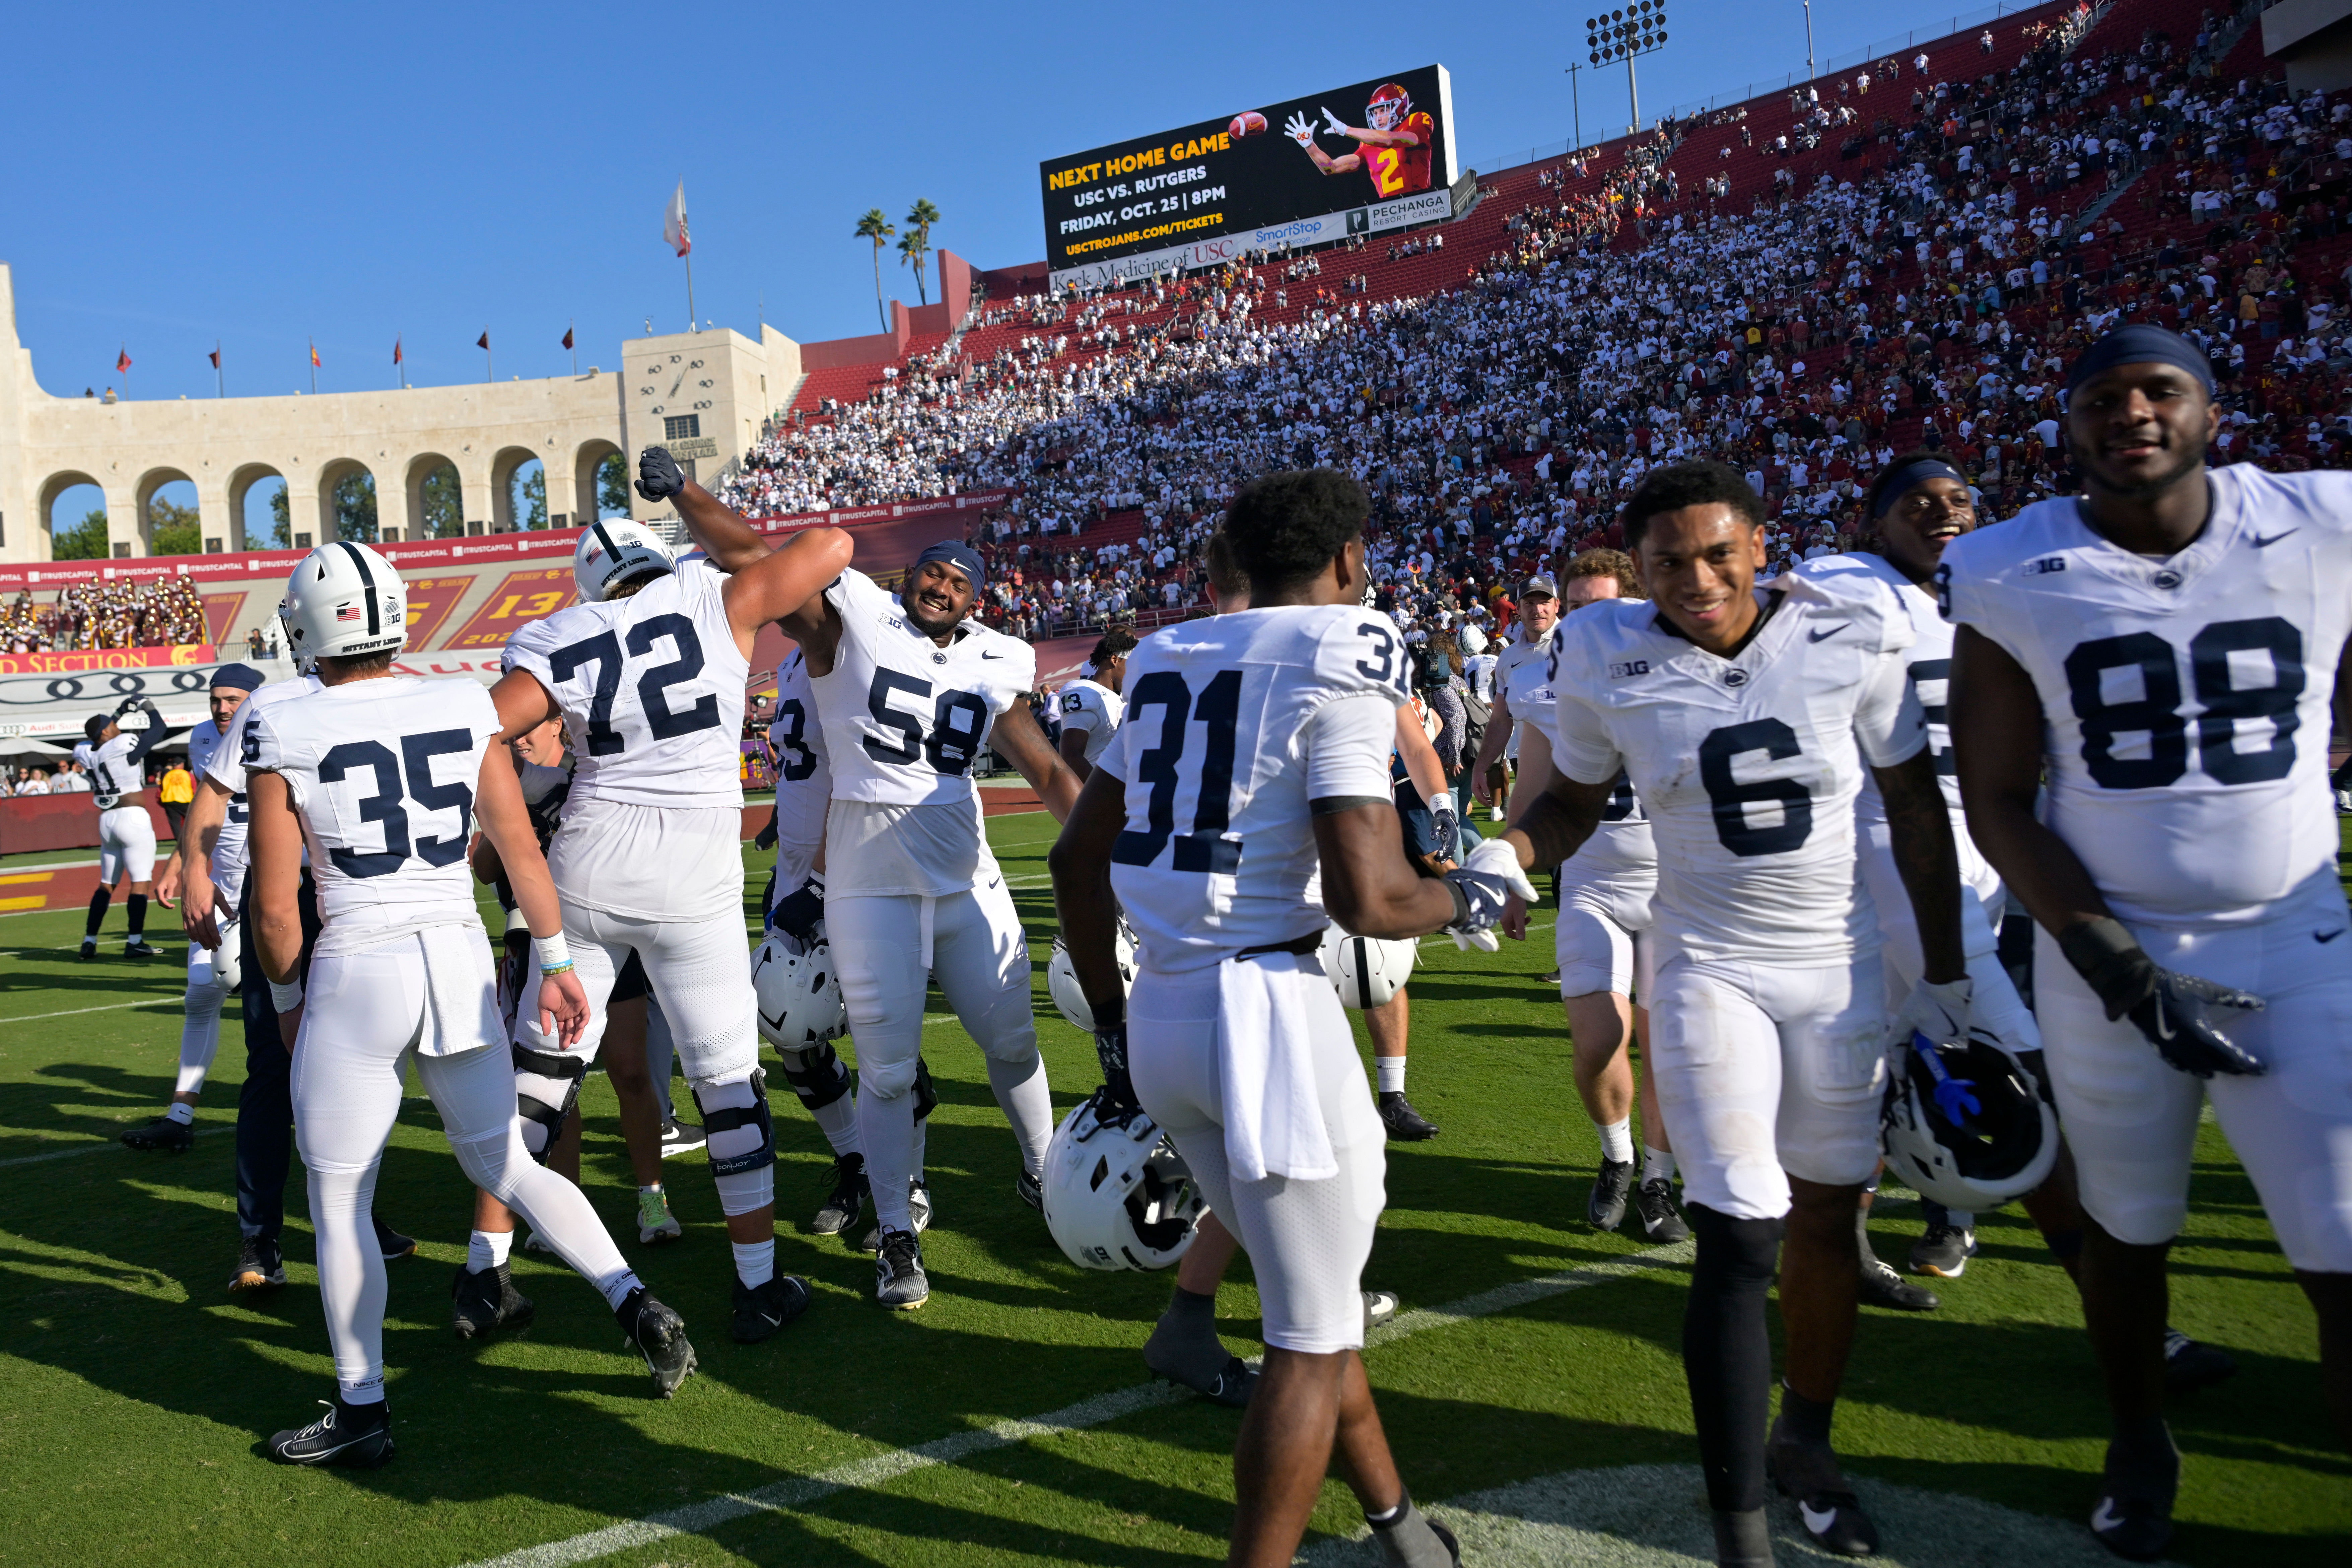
877,227
919,219
910,254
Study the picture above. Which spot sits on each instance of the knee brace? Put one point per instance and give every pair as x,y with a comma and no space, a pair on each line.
546,1088
735,1118
926,1098
817,1075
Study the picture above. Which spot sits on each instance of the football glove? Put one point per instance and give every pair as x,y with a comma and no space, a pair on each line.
1333,123
1953,1099
799,913
1939,1012
2180,1014
1299,128
1110,1052
1445,826
1482,887
658,475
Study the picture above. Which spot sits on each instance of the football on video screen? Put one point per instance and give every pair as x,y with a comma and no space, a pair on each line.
1366,158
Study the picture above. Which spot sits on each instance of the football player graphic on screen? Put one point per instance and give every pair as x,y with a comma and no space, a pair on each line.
1393,149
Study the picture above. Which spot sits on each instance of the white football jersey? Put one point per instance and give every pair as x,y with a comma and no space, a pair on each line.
1747,766
803,773
114,767
382,772
1478,669
226,768
651,687
1623,844
1241,720
1094,710
2184,699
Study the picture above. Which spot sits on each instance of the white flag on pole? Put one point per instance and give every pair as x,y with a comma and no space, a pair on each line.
674,222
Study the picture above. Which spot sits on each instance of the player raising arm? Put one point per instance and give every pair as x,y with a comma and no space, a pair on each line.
912,692
2163,651
1743,720
1259,745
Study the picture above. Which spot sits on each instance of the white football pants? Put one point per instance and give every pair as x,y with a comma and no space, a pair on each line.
126,842
200,1015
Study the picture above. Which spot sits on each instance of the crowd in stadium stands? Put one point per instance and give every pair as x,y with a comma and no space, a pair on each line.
1802,335
105,616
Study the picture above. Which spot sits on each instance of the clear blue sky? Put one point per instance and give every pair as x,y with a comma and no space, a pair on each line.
262,175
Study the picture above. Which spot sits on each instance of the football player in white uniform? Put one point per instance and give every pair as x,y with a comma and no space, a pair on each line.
910,693
647,672
1602,940
381,777
1089,707
212,978
1259,747
116,761
1529,642
818,1076
2163,650
1744,720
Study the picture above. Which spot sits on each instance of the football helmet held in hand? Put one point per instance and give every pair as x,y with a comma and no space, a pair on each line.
1117,1194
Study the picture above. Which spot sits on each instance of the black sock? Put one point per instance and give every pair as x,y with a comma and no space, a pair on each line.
1186,1305
1727,1353
1806,1419
2144,1439
98,903
136,908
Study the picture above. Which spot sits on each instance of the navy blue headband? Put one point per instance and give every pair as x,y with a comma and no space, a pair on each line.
2140,344
1908,476
962,557
236,676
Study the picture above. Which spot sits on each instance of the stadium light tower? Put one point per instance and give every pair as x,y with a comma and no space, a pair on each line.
1625,35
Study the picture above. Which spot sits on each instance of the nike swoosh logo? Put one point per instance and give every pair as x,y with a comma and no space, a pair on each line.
2260,542
1818,1520
2106,1518
1817,637
2327,936
2163,1024
992,655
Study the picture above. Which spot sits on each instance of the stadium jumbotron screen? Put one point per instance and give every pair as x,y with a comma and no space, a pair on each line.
1367,158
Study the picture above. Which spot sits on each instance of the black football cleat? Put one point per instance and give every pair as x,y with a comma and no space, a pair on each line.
1654,1201
762,1310
1809,1473
847,1200
1604,1209
899,1283
261,1264
391,1243
88,950
1032,1190
2192,1364
137,947
488,1301
2134,1519
659,1335
1405,1124
161,1136
1743,1539
357,1436
1882,1287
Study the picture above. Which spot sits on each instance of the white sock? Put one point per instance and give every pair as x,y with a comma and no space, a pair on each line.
180,1112
838,1122
615,1287
1616,1140
1658,1164
486,1249
1027,1104
361,1391
755,1261
1391,1071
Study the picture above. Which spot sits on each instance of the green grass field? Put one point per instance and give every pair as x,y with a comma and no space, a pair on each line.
133,1389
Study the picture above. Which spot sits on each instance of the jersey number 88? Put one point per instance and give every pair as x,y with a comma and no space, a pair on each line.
2154,712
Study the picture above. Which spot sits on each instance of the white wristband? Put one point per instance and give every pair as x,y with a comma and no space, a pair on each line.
554,953
287,997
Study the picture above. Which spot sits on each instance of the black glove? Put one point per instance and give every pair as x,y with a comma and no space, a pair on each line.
1445,827
797,913
1110,1050
2178,1013
658,475
767,836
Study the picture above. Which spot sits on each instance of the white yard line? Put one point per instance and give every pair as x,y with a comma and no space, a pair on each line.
108,1008
79,1148
880,1469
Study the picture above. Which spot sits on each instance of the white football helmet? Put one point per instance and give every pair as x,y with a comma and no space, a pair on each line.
344,601
1118,1195
1968,1126
1366,970
799,995
613,550
1062,979
226,960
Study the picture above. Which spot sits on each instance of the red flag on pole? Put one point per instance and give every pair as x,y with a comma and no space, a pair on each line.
214,357
567,337
395,350
484,341
122,361
314,356
674,222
